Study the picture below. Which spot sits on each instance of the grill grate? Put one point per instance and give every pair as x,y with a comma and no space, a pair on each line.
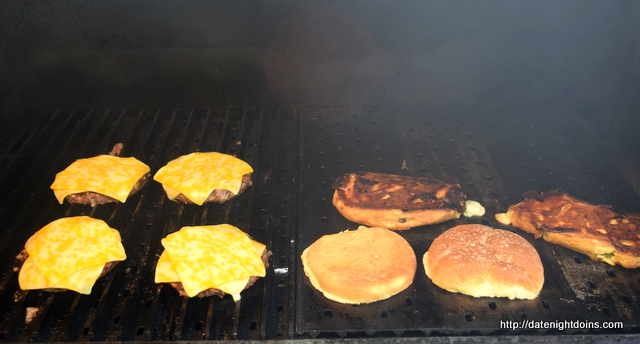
496,158
126,304
296,156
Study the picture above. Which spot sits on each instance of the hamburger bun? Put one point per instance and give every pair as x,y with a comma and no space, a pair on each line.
400,202
360,266
482,261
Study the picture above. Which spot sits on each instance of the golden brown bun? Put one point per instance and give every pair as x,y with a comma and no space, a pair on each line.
360,266
482,261
595,230
396,202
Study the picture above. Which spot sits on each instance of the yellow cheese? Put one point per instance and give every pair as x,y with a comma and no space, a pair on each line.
104,174
70,253
196,175
203,257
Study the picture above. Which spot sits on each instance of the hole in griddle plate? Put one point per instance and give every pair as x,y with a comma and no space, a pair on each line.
626,299
468,317
198,326
85,332
328,314
577,260
280,308
408,301
492,305
383,314
591,284
253,325
611,273
140,331
116,320
545,304
606,311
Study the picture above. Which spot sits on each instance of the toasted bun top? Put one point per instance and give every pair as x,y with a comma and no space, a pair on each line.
360,266
481,261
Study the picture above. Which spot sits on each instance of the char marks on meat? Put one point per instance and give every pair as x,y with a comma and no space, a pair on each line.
383,191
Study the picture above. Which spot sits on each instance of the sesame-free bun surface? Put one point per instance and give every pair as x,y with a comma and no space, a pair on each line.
360,266
482,261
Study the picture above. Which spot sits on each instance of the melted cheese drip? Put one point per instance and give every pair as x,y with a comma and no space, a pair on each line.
203,257
196,175
70,253
104,174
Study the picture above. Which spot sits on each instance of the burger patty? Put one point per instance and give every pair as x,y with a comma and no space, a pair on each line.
94,198
220,195
217,292
23,255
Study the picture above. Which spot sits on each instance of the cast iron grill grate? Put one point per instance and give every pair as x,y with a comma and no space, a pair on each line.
126,304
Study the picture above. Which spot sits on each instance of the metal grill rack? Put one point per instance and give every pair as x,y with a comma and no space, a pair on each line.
296,155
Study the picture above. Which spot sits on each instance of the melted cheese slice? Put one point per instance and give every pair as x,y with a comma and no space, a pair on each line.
196,175
104,174
70,253
203,257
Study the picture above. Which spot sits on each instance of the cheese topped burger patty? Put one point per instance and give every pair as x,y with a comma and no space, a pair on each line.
198,259
101,179
204,177
69,253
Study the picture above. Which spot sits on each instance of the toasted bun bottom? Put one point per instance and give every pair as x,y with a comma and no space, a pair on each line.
596,247
360,266
482,261
396,219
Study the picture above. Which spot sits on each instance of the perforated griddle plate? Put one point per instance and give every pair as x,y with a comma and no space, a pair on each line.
296,156
496,156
